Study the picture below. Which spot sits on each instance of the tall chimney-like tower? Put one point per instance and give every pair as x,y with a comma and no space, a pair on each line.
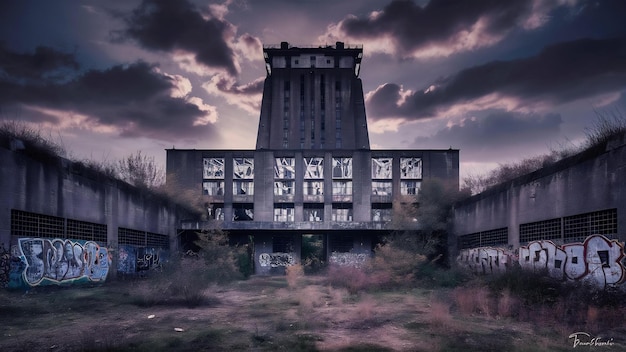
313,98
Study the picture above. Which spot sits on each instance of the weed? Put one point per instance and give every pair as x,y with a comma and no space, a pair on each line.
439,314
294,275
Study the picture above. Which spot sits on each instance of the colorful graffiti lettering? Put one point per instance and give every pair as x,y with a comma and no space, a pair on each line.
275,260
348,259
598,260
47,262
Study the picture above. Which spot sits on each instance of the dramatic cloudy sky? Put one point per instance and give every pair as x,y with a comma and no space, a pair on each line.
499,80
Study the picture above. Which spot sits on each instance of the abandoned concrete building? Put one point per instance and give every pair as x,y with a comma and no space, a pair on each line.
312,172
567,218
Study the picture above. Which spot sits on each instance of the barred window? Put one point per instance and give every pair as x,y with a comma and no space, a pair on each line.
540,230
83,230
25,224
495,237
156,240
469,241
578,227
131,237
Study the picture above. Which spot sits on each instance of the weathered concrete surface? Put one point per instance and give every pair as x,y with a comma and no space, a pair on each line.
591,181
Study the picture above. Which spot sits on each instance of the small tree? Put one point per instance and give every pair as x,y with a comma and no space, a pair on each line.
141,171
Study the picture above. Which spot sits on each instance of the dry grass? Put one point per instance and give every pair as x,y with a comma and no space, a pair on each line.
266,314
294,274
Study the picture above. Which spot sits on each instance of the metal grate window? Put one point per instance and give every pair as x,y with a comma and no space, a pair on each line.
494,237
83,230
25,224
485,238
155,240
578,227
540,230
469,241
132,237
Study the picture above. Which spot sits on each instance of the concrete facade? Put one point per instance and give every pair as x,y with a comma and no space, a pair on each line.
567,202
48,201
312,172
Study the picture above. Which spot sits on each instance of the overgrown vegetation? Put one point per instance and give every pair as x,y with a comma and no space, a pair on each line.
606,126
187,276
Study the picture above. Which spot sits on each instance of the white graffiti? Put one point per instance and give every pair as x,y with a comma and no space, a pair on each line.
275,260
543,255
598,260
348,259
485,260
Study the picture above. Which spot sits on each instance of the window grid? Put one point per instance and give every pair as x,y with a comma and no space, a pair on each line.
540,230
36,225
494,237
578,227
469,241
156,240
83,230
131,237
487,238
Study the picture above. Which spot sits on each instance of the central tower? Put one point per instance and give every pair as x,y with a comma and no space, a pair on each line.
313,99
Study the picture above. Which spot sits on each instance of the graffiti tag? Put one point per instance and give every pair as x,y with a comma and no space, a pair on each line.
348,259
597,259
275,260
54,261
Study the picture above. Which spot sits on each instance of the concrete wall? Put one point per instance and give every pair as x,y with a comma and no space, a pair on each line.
32,182
592,181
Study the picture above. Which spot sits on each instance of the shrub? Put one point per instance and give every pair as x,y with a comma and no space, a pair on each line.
294,275
352,278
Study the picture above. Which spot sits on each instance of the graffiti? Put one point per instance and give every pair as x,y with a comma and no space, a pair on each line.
5,266
598,260
126,262
275,260
348,259
484,260
543,255
133,259
45,262
148,258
